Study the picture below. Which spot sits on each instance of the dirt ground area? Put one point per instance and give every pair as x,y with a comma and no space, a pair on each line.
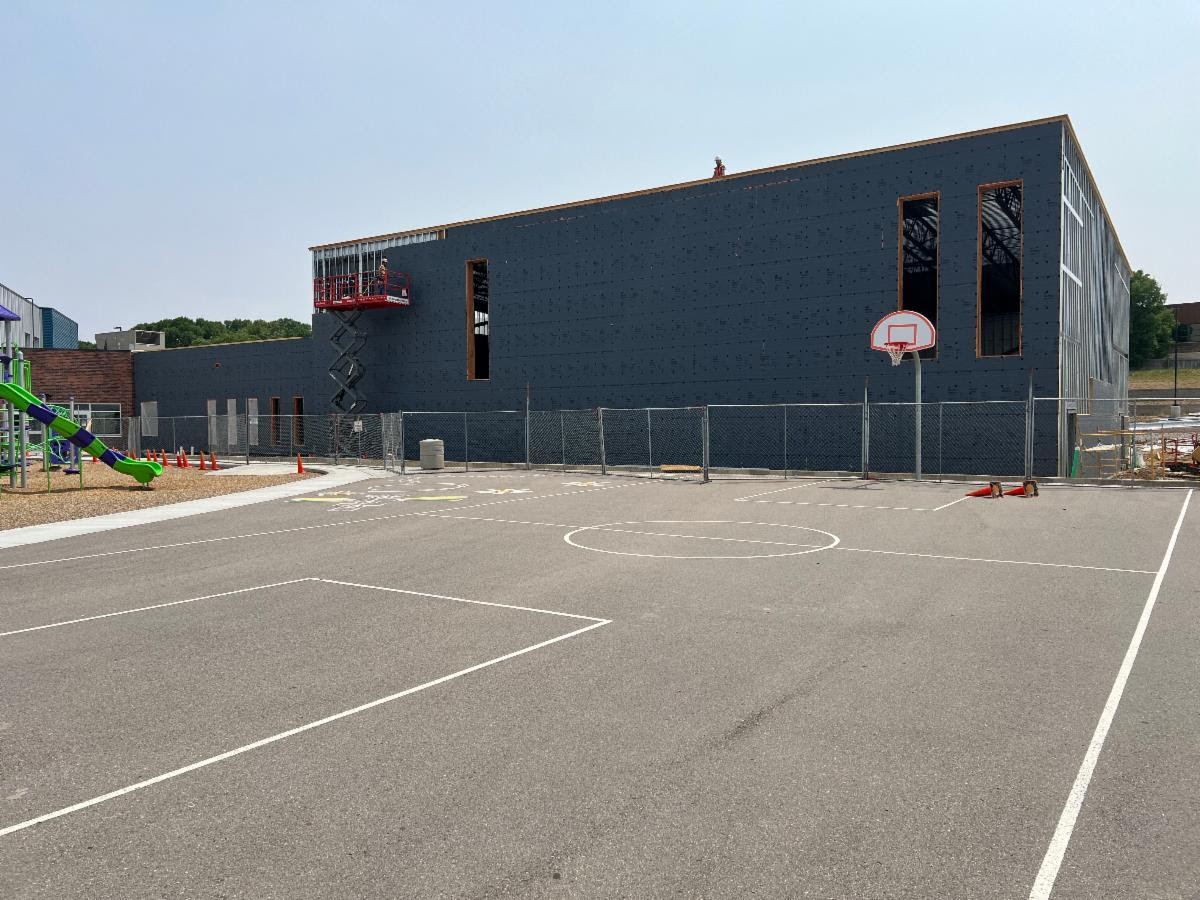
105,491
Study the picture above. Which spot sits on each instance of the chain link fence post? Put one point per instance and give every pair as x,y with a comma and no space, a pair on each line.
466,446
600,433
403,450
1029,428
785,443
704,441
941,463
866,431
649,446
562,435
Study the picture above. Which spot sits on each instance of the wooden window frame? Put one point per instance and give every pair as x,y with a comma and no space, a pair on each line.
991,185
937,290
297,421
468,268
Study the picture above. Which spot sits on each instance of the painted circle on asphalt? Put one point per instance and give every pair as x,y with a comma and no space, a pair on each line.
794,538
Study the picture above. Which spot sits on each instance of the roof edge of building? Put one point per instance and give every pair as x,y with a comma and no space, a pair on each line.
224,344
749,173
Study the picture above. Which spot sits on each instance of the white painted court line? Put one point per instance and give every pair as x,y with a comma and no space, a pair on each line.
291,732
847,505
53,531
126,612
1048,873
698,537
807,548
790,487
950,504
433,515
1010,562
977,559
238,537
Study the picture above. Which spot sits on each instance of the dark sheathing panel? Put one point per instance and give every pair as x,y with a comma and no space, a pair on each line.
748,290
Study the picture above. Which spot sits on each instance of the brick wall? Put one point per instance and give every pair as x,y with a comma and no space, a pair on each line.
90,376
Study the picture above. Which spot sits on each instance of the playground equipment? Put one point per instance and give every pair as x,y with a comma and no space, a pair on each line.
19,405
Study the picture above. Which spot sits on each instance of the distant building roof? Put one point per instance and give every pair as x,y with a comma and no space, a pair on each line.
1186,313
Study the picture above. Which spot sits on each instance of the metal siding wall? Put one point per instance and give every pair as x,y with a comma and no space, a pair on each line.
31,318
59,332
755,289
1094,281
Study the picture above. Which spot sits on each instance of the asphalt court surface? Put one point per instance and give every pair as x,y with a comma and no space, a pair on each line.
595,686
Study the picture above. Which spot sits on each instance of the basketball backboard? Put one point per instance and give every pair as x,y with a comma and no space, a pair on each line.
903,330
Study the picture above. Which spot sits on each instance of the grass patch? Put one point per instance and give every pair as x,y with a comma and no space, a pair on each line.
1164,378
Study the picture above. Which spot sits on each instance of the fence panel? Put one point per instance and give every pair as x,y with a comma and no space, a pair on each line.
978,438
347,439
676,440
747,440
823,437
496,440
451,428
627,440
893,437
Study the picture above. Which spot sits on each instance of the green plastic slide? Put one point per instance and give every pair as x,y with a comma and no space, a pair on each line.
143,472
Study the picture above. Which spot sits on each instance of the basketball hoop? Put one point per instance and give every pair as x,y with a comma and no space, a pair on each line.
900,332
897,333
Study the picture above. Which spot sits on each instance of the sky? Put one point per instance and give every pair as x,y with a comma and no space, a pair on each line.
162,159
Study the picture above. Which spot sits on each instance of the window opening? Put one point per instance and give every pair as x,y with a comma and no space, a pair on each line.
919,258
478,321
998,325
298,421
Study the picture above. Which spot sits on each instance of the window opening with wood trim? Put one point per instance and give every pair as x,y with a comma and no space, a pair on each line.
275,421
298,421
998,311
920,228
478,321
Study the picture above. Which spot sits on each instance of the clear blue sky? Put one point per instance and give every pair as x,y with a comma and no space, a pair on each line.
167,159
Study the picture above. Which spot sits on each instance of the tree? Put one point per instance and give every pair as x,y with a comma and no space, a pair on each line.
185,332
87,345
1150,322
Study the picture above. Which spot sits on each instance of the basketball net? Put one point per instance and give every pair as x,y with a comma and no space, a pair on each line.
896,352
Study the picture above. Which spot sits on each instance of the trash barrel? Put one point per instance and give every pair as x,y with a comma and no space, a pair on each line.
433,453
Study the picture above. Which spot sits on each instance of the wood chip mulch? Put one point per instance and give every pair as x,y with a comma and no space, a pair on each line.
105,491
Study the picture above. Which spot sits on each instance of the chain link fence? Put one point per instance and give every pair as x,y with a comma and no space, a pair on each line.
1045,436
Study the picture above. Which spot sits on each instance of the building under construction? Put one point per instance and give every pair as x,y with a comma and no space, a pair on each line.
744,287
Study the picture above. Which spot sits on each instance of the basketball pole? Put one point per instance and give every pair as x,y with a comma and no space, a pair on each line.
917,359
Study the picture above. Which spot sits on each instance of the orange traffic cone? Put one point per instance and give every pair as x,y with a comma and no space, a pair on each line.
993,489
202,461
212,461
1027,488
299,464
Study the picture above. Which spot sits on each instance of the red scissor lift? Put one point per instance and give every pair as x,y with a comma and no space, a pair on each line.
346,297
363,290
